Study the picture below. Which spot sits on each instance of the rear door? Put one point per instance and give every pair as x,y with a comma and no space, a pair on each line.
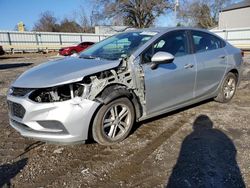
211,62
173,83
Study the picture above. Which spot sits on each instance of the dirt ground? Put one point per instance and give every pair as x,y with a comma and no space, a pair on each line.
205,145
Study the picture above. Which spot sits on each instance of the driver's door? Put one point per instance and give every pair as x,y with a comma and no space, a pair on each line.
170,84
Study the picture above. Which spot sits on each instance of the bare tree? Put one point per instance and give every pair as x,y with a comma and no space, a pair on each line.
201,13
134,13
87,22
71,26
47,22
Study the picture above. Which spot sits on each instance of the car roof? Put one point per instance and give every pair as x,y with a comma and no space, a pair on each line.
167,29
163,30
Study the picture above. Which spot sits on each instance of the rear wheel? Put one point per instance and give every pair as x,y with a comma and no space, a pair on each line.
113,122
73,52
227,89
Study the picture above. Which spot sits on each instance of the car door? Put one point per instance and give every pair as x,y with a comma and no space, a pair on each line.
211,62
169,84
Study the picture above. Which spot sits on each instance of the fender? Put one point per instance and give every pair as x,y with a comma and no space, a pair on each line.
113,92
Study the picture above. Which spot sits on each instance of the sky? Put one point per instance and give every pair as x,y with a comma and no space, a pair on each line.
28,11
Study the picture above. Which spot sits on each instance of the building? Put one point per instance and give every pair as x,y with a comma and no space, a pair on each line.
109,30
235,16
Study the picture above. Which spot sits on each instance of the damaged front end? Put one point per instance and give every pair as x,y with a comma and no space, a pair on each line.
88,88
63,113
54,114
57,94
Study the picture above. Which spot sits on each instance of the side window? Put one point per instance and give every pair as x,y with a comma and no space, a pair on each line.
204,42
174,43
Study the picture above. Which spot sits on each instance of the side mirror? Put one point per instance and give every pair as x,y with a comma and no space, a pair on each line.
160,58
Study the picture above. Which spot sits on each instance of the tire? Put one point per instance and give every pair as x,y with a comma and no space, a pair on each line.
73,52
227,88
119,115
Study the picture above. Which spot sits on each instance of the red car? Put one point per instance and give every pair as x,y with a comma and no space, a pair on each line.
75,49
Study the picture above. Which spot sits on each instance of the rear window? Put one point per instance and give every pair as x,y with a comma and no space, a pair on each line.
206,42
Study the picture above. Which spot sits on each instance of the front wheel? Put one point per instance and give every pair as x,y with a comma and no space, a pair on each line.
113,121
227,89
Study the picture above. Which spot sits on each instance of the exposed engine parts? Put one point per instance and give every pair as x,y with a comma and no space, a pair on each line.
57,94
94,84
91,87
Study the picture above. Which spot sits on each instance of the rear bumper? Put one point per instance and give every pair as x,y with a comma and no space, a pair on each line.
61,122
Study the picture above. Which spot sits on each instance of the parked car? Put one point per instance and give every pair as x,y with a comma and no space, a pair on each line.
123,79
75,49
2,52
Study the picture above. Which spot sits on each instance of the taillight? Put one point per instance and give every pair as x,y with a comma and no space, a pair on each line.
242,53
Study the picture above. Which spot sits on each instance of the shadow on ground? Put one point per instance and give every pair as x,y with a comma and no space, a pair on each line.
9,171
10,57
14,65
207,159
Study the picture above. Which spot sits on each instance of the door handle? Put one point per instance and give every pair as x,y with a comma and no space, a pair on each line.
222,56
188,66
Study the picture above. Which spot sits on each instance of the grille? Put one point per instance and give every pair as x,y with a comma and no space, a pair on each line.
16,109
20,92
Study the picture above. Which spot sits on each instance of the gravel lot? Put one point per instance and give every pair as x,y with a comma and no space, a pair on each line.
205,145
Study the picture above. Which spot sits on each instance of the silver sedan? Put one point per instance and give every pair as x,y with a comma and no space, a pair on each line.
123,79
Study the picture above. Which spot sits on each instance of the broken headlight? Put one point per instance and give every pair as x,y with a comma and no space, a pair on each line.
58,93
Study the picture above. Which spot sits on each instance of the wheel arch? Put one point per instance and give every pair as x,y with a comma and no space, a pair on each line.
235,72
112,92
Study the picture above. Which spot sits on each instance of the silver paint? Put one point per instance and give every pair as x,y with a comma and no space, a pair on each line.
187,80
64,71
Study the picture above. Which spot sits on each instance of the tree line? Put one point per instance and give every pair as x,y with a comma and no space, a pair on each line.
135,13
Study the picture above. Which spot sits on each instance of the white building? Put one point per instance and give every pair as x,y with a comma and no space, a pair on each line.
110,29
235,16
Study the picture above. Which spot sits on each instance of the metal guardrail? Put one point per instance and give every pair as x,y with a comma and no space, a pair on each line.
14,41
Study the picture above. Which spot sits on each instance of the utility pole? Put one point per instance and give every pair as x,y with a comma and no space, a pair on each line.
176,5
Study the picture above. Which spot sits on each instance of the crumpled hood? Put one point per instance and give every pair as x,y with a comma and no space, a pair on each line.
63,71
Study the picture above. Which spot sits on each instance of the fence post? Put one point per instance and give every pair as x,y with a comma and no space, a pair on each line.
9,39
60,39
81,37
37,41
227,34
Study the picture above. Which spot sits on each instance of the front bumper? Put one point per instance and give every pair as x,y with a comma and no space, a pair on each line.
60,122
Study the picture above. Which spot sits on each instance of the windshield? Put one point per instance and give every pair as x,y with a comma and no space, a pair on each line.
117,46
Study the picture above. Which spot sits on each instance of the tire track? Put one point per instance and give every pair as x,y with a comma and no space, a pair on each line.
125,171
125,167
